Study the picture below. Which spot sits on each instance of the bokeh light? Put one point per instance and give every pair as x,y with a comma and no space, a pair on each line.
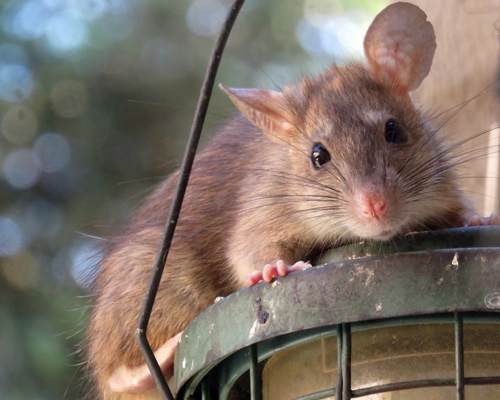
16,82
87,10
342,37
309,37
328,29
19,124
52,152
31,19
20,168
11,237
65,32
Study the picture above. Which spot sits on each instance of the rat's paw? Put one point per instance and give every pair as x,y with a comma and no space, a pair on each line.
125,379
476,220
270,271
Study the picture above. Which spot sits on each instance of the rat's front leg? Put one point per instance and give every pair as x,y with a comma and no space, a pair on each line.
270,271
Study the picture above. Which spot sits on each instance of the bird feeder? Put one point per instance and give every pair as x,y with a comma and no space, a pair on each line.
415,318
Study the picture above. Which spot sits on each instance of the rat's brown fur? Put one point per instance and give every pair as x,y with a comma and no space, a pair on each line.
251,201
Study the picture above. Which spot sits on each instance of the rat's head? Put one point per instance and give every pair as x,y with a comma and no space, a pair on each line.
356,134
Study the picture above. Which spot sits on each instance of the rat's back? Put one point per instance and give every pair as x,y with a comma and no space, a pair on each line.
197,269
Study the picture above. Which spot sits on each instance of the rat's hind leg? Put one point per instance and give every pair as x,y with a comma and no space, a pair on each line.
277,269
476,220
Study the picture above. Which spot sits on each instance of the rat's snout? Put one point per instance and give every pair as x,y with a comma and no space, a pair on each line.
372,205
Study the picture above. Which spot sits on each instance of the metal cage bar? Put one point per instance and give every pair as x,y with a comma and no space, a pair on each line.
459,356
205,390
346,361
255,378
338,392
318,395
391,387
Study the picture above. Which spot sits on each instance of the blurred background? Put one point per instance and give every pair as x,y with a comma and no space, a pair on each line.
96,102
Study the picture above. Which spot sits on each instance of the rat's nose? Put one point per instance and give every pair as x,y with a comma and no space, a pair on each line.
372,205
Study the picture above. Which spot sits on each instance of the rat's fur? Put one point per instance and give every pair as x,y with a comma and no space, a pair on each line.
252,200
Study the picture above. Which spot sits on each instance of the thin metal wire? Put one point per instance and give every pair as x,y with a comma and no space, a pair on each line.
391,387
255,380
185,170
346,361
483,380
318,395
459,356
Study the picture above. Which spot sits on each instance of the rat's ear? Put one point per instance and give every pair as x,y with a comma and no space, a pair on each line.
266,109
400,45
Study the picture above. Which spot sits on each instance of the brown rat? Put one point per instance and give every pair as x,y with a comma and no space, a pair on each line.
341,157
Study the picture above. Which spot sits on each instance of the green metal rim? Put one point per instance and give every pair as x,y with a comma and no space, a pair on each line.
235,365
377,287
472,237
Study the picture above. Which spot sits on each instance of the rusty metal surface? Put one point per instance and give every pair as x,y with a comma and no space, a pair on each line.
372,288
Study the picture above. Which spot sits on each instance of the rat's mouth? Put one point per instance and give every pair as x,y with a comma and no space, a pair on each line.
389,229
383,235
381,230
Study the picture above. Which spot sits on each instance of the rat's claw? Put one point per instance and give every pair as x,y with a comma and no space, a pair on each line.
254,277
299,266
476,220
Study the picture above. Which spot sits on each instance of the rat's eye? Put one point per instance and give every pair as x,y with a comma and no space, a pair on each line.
319,156
395,132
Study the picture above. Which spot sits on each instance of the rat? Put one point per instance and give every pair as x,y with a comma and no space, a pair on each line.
342,157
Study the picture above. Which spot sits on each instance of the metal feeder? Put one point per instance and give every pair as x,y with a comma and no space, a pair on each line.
416,318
